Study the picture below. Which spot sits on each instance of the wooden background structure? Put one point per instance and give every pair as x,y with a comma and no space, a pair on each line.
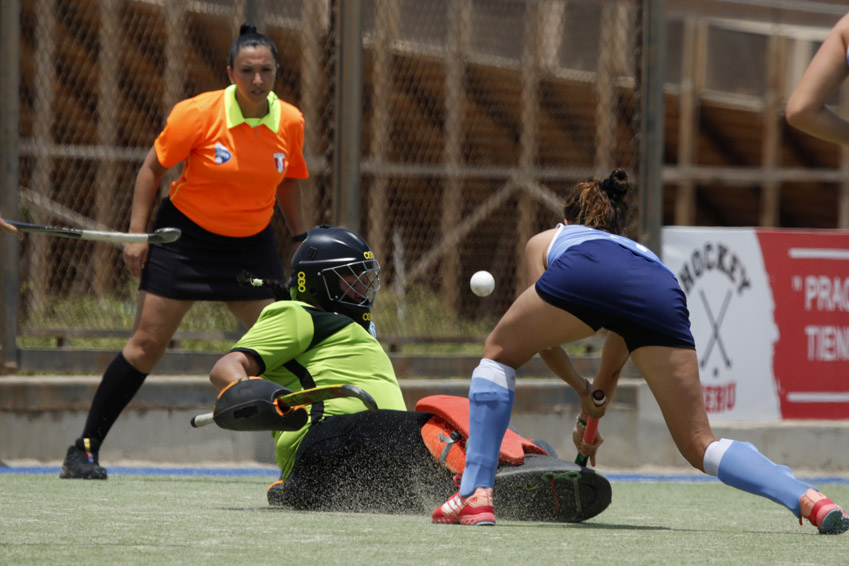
474,114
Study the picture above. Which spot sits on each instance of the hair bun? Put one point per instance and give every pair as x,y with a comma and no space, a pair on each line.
247,28
616,185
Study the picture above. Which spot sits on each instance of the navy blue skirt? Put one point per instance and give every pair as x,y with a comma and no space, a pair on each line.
202,266
608,286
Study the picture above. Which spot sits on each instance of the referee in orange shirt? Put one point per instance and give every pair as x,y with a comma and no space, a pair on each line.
242,151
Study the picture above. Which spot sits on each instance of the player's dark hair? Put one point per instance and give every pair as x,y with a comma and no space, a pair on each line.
600,204
250,37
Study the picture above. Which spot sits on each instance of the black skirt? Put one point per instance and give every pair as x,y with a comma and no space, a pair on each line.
202,266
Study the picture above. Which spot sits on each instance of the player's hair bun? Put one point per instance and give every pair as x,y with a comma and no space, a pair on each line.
616,185
248,28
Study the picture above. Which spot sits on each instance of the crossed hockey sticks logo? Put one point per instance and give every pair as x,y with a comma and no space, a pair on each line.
715,338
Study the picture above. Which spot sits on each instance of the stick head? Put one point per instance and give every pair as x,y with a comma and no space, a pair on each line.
362,395
165,236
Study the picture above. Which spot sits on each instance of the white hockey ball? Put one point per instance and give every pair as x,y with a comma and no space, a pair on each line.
482,283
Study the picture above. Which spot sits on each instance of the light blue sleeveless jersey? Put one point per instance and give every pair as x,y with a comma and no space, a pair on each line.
569,235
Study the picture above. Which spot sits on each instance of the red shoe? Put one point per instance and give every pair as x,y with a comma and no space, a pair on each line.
475,509
828,517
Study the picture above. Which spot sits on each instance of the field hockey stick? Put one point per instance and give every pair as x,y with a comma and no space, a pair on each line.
307,397
161,236
592,426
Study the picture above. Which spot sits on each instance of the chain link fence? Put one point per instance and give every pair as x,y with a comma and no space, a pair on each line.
475,114
98,79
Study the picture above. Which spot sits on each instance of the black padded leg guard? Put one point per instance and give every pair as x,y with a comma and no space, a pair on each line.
365,463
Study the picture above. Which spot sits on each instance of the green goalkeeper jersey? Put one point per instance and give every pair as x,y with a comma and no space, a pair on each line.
300,347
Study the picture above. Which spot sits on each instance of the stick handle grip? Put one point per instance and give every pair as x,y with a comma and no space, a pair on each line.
202,420
592,426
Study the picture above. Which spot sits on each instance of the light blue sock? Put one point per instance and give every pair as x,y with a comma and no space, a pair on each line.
740,465
490,404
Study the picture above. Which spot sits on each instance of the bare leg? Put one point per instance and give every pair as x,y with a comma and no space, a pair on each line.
531,325
673,377
157,319
247,312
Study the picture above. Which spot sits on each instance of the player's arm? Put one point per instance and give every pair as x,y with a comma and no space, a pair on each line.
613,358
289,203
281,333
806,108
265,345
147,186
535,249
558,362
231,367
614,355
585,434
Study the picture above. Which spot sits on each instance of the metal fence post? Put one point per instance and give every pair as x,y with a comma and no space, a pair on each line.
10,17
349,109
651,127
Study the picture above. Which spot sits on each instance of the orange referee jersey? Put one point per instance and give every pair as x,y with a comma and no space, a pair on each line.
232,166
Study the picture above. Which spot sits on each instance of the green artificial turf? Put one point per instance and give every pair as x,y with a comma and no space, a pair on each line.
226,520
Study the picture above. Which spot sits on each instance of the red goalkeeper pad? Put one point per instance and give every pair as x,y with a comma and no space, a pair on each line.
446,433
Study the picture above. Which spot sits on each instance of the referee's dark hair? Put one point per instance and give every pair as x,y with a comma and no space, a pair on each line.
250,37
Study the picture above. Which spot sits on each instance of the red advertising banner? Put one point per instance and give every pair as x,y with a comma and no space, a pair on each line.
809,277
769,311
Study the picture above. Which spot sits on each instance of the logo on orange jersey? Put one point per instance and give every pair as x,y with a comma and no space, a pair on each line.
280,161
222,154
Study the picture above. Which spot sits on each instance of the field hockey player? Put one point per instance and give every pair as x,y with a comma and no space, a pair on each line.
585,276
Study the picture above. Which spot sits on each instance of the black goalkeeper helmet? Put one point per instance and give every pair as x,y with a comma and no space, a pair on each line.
335,269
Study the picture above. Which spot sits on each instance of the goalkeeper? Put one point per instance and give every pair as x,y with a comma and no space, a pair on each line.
323,336
334,455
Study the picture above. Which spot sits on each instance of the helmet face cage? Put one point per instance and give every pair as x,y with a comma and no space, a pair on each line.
355,283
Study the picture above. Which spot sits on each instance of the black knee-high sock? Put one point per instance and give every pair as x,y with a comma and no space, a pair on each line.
120,383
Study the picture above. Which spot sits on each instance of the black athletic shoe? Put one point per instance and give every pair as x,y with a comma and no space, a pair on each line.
81,461
276,494
546,489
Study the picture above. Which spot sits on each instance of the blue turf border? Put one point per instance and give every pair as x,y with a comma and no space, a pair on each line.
272,472
153,471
